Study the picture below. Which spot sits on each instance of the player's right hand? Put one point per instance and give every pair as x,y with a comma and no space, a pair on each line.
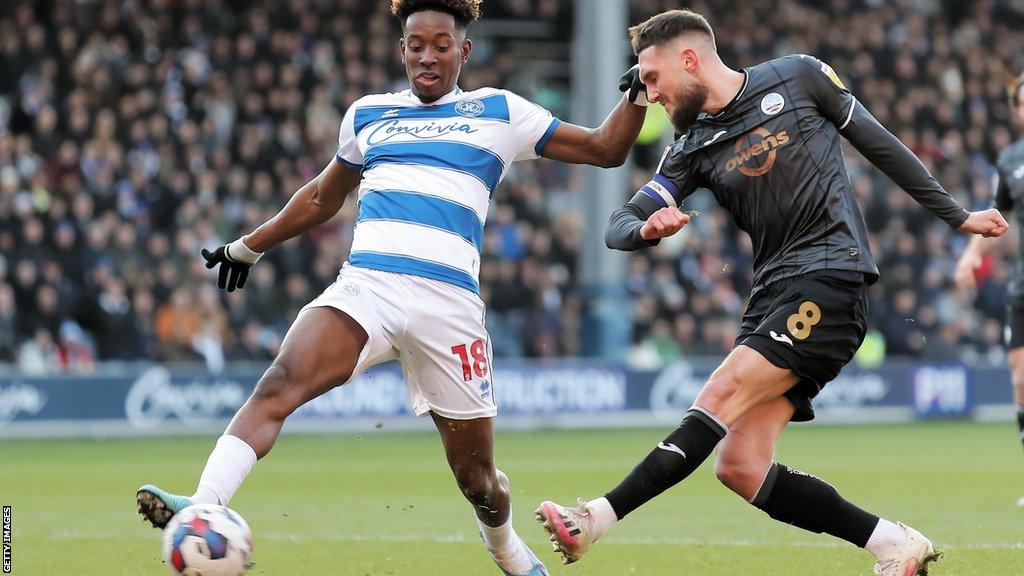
234,260
988,223
664,223
635,90
965,267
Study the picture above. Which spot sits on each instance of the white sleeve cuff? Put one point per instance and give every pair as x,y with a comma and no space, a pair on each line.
239,252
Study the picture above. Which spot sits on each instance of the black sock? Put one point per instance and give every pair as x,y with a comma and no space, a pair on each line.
808,502
1020,421
673,460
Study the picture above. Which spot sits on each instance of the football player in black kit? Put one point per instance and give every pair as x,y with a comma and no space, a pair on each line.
1008,195
766,142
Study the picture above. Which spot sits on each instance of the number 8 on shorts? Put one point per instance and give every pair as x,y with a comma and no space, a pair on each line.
807,317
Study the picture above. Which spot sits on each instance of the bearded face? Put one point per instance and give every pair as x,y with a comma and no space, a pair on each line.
672,83
686,105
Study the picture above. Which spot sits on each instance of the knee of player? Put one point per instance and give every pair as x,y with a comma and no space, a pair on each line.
478,484
1017,373
275,384
739,474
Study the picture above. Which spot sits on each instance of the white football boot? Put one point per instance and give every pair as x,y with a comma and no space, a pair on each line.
571,529
1021,502
911,558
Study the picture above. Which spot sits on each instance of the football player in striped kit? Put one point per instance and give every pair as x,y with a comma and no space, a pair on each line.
425,163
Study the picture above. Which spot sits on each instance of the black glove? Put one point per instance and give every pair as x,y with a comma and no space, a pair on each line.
635,90
234,259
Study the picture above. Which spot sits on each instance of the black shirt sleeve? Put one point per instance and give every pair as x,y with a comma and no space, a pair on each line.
830,95
623,231
1002,200
877,144
893,158
671,184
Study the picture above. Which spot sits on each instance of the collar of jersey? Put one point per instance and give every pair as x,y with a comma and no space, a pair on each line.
725,109
446,99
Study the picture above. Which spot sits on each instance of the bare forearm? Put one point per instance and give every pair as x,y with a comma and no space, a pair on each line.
306,209
605,146
980,245
619,130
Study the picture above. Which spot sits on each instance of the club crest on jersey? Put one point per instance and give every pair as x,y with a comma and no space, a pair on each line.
350,289
772,103
470,108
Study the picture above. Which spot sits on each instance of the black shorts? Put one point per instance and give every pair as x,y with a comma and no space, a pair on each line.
1013,331
811,324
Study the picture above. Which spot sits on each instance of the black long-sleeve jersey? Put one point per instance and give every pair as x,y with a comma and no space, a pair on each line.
1009,195
773,159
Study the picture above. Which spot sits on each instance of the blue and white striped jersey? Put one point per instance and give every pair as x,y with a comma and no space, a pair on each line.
428,175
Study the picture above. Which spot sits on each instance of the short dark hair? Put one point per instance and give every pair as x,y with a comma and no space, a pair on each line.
465,12
1015,85
666,27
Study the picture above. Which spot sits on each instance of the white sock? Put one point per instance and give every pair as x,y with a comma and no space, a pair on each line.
205,495
886,539
604,516
228,465
506,547
497,537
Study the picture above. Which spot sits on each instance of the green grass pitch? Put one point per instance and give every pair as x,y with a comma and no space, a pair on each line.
384,503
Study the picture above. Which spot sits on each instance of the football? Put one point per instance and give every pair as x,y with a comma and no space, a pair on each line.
207,540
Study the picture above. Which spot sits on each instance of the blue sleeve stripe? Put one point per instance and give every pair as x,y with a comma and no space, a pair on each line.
672,189
347,164
539,148
654,195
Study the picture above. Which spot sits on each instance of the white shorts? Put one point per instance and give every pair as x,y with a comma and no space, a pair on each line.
435,329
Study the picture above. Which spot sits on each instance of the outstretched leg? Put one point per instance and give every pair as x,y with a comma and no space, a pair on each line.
319,352
745,379
746,465
469,447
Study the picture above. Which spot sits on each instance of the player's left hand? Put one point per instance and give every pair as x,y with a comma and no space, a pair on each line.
635,90
965,267
988,223
234,261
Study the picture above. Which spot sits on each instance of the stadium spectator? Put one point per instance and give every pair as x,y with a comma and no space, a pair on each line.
132,134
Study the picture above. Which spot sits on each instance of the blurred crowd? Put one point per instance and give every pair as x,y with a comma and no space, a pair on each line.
133,133
936,73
